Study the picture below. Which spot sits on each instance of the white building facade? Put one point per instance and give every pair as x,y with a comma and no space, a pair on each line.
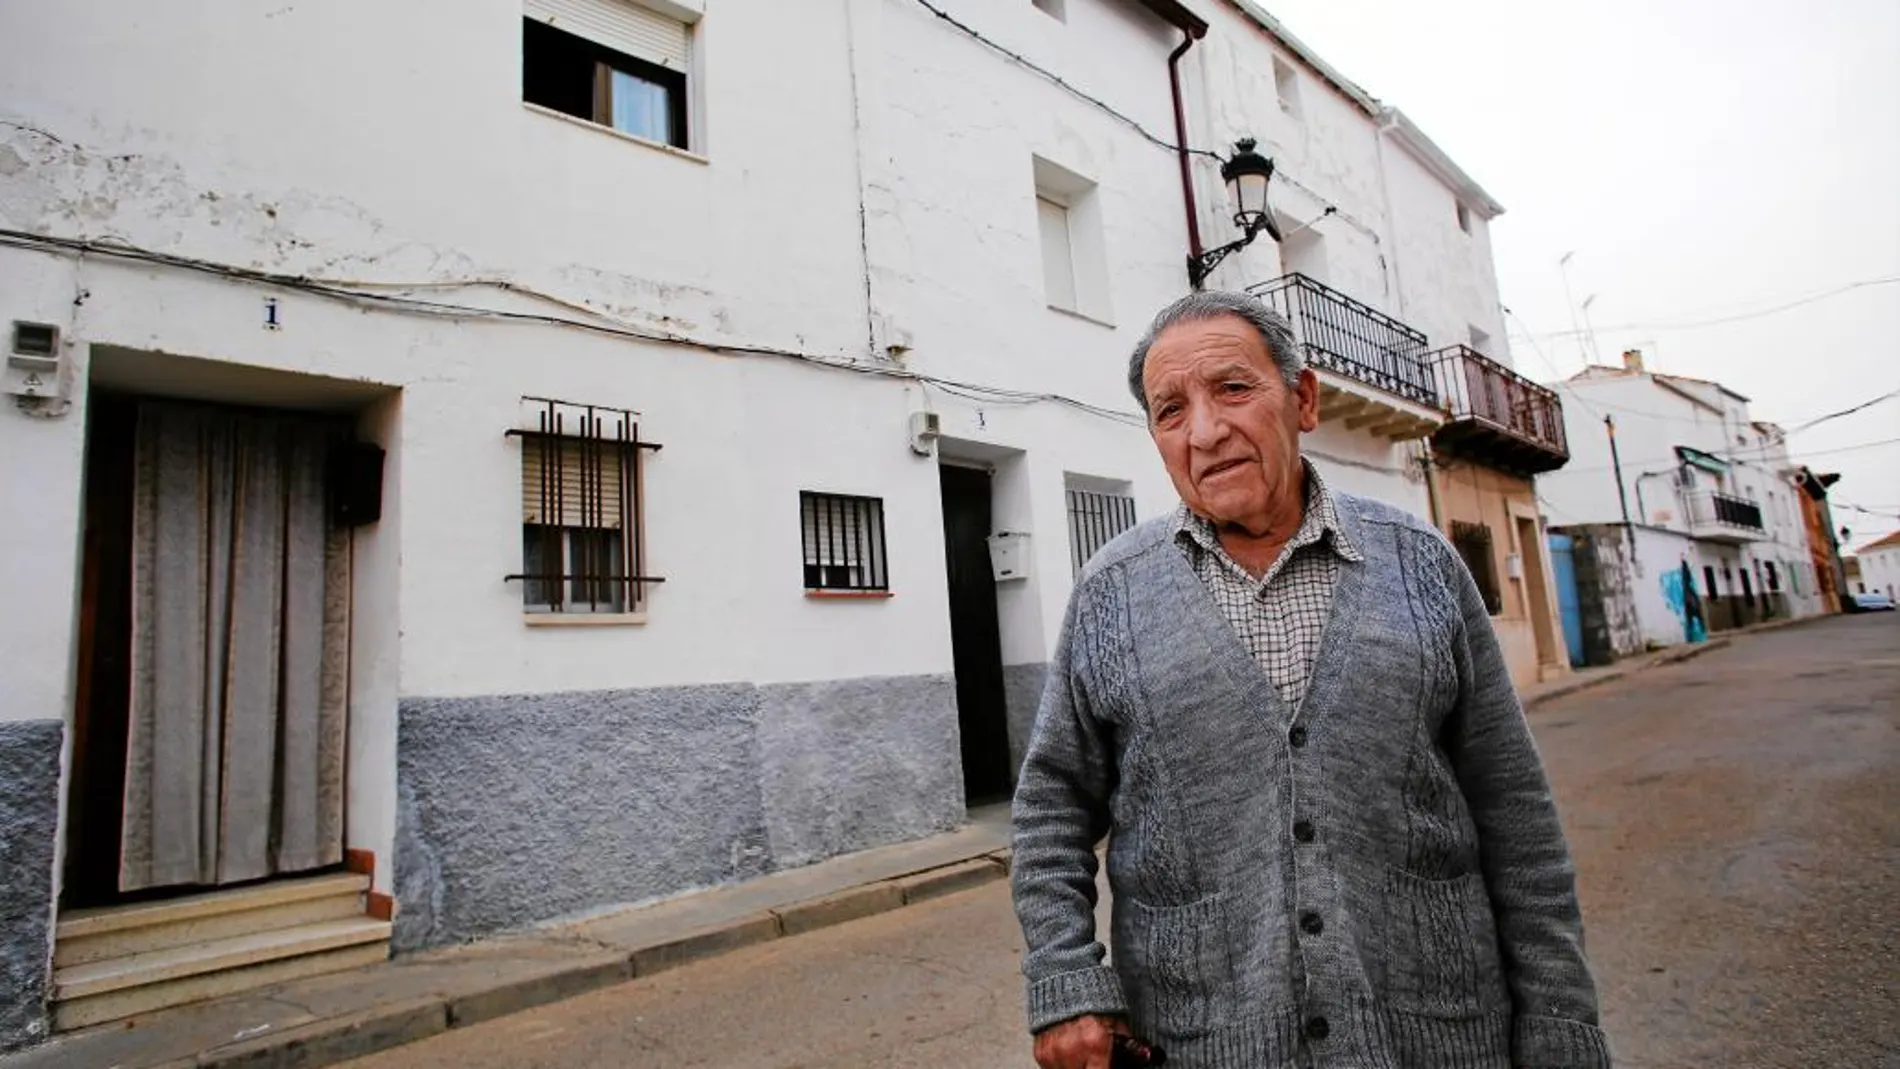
1706,518
667,466
1879,567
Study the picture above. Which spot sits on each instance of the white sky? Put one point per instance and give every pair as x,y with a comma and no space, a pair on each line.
1702,158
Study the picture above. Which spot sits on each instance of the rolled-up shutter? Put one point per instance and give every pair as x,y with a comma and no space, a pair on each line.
621,25
571,483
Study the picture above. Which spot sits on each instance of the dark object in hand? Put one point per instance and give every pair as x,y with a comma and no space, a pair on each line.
1132,1053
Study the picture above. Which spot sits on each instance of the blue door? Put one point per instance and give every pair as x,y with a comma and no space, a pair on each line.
1563,565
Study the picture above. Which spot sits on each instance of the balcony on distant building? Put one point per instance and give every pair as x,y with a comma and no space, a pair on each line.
1718,517
1498,418
1373,372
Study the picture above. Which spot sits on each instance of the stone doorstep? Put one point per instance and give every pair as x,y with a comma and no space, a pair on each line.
335,1017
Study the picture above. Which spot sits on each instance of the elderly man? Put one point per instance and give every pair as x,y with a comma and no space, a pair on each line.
1331,842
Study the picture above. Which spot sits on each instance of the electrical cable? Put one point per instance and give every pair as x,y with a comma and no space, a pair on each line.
1888,396
601,323
1128,120
1740,316
1596,407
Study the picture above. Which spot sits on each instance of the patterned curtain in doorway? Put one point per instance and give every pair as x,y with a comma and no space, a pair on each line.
240,632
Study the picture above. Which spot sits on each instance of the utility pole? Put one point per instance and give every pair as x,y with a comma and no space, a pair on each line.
1616,462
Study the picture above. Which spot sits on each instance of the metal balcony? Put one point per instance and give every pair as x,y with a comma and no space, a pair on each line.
1718,517
1373,371
1498,417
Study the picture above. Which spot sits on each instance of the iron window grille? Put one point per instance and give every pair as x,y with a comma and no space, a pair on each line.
1094,521
844,542
1473,543
582,543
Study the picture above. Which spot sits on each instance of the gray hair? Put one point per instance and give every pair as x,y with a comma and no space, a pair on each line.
1275,333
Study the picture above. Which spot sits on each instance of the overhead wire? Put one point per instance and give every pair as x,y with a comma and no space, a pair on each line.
360,293
1128,120
1739,317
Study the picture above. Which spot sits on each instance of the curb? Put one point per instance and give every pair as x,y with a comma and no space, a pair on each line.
364,1032
1672,655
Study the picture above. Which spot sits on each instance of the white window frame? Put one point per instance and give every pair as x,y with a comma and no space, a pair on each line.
1286,86
1080,201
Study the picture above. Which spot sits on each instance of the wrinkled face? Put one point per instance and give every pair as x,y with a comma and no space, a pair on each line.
1226,423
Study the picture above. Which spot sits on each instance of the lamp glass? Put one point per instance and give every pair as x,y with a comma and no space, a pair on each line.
1250,195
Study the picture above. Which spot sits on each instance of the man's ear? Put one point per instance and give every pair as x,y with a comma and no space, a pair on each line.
1307,395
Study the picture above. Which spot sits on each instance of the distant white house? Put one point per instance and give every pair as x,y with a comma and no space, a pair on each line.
1879,567
1706,517
655,439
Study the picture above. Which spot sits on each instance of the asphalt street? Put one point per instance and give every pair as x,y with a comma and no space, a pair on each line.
1736,823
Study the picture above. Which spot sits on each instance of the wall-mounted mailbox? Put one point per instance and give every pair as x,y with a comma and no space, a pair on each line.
1009,555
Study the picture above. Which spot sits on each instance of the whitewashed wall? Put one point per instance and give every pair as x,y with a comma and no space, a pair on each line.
1880,570
220,130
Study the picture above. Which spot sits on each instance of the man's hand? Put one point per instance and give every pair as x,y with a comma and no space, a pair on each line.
1078,1043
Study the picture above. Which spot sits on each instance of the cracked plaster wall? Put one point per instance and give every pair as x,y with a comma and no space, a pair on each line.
344,156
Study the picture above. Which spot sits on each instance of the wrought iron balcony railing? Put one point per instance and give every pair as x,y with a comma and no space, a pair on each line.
1349,338
1497,412
1713,509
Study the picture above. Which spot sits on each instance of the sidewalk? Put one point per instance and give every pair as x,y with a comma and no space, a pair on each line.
1586,678
327,1019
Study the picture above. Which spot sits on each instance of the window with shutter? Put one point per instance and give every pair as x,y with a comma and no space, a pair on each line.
581,538
613,62
843,538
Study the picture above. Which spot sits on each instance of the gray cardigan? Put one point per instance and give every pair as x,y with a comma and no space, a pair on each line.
1378,875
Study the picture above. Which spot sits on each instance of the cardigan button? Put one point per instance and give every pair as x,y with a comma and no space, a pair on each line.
1317,1028
1311,924
1303,831
1297,736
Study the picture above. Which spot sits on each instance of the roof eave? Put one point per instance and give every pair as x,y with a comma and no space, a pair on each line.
1362,99
1426,151
1176,14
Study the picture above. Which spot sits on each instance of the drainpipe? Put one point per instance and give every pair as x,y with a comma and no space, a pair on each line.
1189,35
1427,462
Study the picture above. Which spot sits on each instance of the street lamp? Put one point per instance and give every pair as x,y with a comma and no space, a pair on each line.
1246,173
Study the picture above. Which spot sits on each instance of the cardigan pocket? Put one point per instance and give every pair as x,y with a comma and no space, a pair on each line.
1179,972
1440,947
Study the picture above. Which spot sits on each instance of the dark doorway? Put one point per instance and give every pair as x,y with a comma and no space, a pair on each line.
974,638
97,787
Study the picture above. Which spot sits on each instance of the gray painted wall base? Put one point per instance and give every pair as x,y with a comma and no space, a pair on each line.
513,810
1022,693
29,829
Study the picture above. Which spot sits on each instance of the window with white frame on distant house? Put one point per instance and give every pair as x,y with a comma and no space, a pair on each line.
1464,217
1051,8
843,537
1473,543
1098,511
617,63
1286,83
1069,230
582,546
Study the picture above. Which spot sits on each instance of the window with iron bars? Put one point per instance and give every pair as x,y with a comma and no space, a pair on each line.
1094,520
582,544
844,542
1473,543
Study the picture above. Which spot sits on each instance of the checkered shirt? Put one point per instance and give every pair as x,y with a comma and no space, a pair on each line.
1280,616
